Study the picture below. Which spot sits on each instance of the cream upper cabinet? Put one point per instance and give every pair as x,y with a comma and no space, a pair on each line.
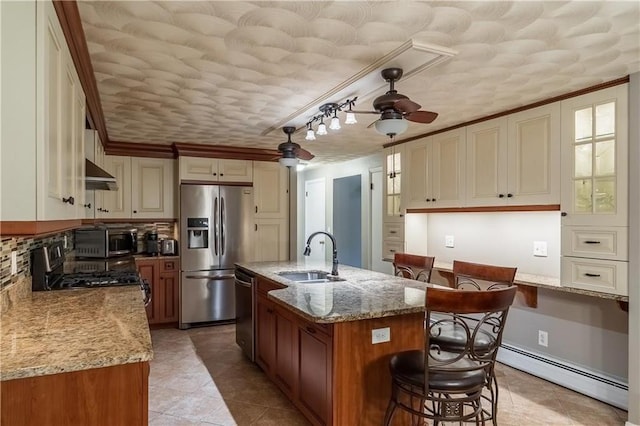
61,104
595,158
515,160
271,198
418,174
215,169
393,175
447,169
153,188
116,204
270,190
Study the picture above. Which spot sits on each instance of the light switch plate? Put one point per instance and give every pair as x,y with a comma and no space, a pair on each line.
540,248
380,335
14,262
448,241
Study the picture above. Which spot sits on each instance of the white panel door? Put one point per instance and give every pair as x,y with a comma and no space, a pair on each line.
314,217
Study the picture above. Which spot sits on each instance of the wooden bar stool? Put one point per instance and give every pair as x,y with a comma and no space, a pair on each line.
413,266
448,385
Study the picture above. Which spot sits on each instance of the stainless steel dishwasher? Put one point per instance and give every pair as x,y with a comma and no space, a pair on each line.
245,327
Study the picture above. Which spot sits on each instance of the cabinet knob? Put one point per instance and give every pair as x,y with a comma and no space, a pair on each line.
433,199
88,206
69,200
563,214
215,174
135,211
500,195
428,199
509,195
221,174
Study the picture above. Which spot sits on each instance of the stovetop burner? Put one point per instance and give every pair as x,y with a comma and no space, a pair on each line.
98,279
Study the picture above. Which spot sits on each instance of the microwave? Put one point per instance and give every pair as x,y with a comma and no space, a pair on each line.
104,242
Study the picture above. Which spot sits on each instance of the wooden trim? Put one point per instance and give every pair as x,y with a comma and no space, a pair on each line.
37,228
230,152
132,149
483,209
71,24
580,92
214,182
127,220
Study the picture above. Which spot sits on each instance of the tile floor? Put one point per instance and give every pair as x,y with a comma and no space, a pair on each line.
200,377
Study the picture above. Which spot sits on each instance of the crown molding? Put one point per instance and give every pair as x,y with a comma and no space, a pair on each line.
230,152
133,149
580,92
71,24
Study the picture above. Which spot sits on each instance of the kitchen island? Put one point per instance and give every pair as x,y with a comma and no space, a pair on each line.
327,344
76,357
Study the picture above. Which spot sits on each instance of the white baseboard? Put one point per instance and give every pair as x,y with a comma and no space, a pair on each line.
595,385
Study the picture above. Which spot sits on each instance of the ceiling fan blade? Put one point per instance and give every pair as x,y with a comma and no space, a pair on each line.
421,116
406,105
365,112
303,154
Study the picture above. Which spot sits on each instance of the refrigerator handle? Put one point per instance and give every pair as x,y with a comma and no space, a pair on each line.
222,219
215,226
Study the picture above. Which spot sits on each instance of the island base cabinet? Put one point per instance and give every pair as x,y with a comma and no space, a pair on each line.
107,396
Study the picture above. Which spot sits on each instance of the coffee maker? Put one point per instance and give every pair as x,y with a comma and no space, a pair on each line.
152,243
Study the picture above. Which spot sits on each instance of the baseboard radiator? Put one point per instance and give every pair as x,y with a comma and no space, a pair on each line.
595,385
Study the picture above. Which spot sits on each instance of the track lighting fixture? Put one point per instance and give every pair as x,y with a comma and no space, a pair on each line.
330,110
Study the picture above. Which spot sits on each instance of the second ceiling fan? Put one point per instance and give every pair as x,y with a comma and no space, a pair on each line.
394,107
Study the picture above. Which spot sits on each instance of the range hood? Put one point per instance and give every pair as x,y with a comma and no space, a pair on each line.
96,178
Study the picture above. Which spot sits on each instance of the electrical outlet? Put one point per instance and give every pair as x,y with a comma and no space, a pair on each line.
14,262
543,338
380,335
448,241
540,248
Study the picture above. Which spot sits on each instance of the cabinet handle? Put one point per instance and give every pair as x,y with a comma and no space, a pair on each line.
256,209
311,330
392,250
392,232
509,195
563,214
592,242
69,200
256,225
592,275
500,195
88,206
135,211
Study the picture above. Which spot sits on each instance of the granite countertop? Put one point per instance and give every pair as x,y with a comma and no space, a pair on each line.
61,331
364,294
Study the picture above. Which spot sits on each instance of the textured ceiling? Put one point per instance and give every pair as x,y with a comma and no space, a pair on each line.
223,72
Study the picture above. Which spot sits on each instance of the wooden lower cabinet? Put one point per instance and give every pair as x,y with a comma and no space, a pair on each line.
163,275
106,396
332,372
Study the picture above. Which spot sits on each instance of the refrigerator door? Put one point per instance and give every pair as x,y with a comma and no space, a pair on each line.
236,225
206,296
199,227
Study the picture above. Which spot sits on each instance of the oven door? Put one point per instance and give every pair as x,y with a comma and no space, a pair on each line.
206,296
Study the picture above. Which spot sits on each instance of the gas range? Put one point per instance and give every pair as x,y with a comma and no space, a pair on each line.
51,271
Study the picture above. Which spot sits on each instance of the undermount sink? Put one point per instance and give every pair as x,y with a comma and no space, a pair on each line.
309,277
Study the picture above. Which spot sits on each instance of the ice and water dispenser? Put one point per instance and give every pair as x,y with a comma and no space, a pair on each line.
197,232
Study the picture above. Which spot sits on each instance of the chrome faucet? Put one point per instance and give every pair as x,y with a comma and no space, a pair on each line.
307,250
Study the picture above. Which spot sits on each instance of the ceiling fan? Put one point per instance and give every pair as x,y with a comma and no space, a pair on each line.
394,108
291,151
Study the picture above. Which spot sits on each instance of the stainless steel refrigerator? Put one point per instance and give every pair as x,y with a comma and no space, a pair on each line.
215,231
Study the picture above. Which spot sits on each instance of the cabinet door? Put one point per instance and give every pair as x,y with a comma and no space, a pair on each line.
595,158
486,183
418,172
393,176
169,287
265,333
448,168
534,156
148,269
285,363
152,188
79,150
271,190
117,204
98,196
271,240
314,372
235,170
202,169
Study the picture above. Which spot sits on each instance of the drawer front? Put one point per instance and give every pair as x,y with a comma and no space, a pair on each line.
265,285
169,265
393,231
390,248
605,276
312,328
601,243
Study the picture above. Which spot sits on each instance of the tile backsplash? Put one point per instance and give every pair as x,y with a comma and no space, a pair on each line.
24,245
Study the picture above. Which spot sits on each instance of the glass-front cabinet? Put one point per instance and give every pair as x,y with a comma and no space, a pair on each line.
393,184
594,129
595,191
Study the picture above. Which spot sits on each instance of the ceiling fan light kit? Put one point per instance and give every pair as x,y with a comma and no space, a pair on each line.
391,126
291,152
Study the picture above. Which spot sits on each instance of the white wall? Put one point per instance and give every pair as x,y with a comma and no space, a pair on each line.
360,166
